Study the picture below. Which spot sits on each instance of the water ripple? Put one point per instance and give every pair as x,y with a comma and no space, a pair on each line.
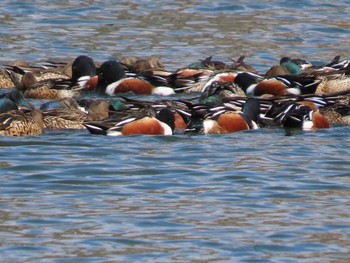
260,196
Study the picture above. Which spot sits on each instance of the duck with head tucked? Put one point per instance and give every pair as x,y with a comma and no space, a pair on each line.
22,122
112,80
83,67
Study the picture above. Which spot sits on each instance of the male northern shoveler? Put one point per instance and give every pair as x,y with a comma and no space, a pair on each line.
23,122
205,83
112,80
253,85
123,106
214,94
298,113
288,66
163,123
334,77
226,120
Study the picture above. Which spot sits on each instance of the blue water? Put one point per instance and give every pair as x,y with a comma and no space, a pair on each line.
256,196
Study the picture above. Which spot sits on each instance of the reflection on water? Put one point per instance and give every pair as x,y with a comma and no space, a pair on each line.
256,196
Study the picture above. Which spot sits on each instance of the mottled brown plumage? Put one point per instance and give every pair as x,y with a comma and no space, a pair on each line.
50,90
62,119
338,86
5,80
22,122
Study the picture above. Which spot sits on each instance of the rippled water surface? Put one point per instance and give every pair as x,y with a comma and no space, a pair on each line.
257,196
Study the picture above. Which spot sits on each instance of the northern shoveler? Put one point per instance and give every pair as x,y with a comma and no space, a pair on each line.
240,65
288,66
338,112
53,87
142,66
97,109
163,123
67,113
64,119
5,80
298,113
63,114
227,120
205,83
112,80
253,85
22,122
14,98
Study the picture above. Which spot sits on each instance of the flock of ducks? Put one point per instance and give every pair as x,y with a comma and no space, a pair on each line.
222,97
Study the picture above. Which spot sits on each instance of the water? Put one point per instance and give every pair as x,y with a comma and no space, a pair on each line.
257,196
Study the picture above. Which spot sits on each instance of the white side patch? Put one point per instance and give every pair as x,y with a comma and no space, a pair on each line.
163,91
294,91
307,125
82,81
250,90
114,133
167,129
111,87
208,125
254,126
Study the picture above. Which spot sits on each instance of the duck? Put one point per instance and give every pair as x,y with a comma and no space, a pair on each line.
142,66
5,80
63,114
209,63
150,69
38,73
56,88
224,120
21,122
288,66
112,80
124,105
299,113
179,108
204,84
255,85
63,119
240,65
214,94
13,99
161,122
96,108
338,84
67,113
338,112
